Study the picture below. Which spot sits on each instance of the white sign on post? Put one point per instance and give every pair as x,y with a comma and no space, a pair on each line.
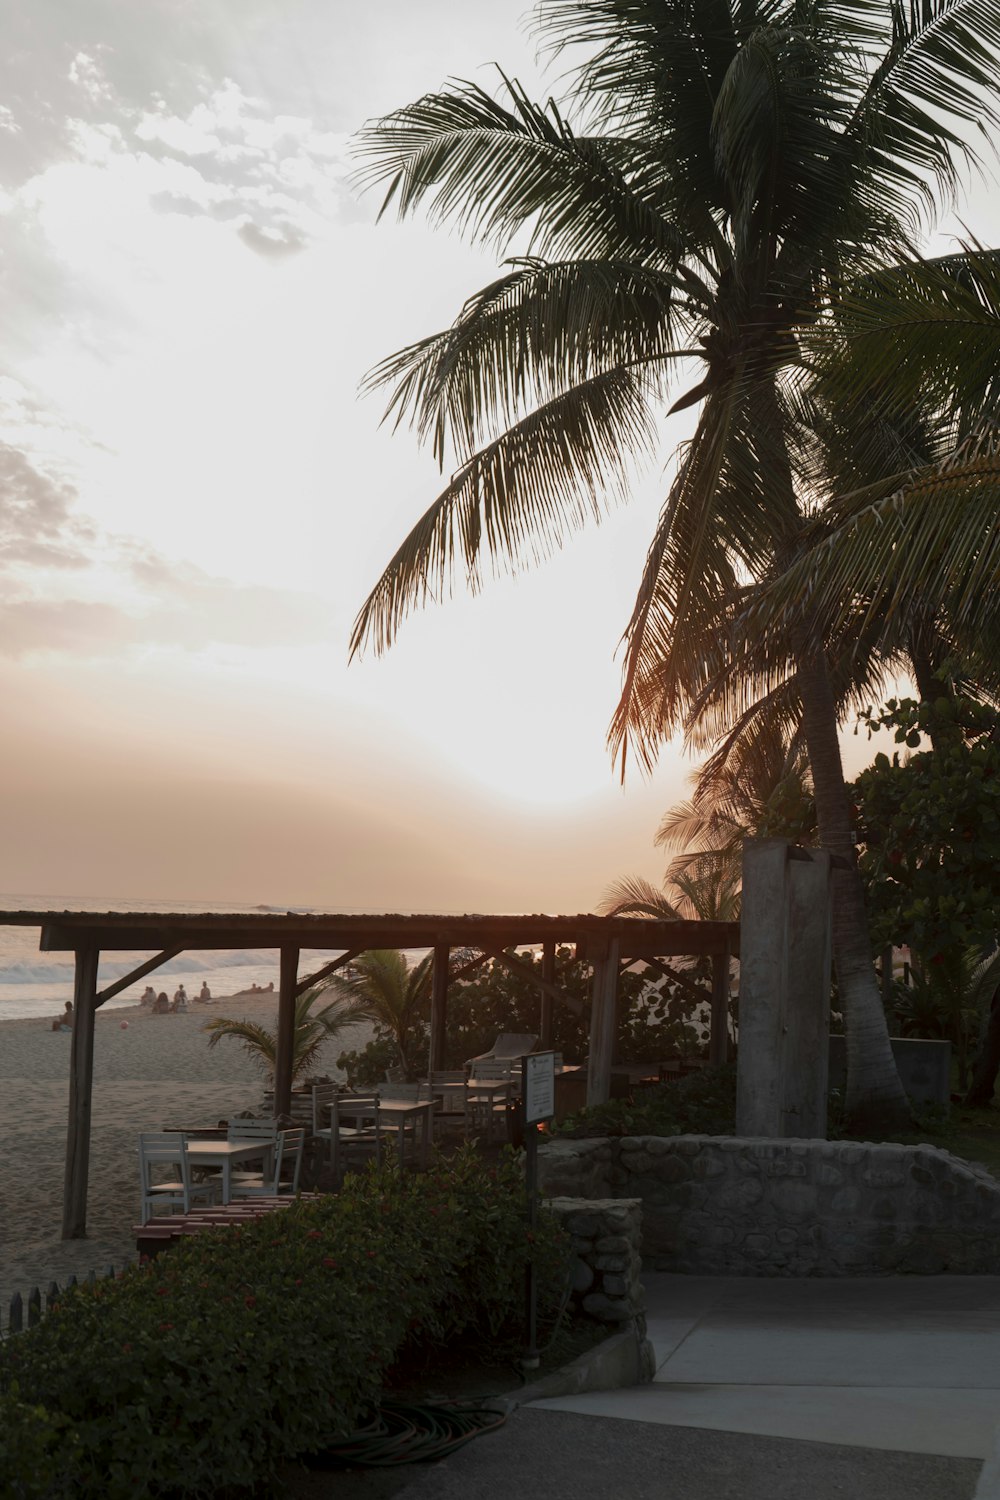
539,1076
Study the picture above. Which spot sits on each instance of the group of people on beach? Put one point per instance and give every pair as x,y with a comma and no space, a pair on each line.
161,1006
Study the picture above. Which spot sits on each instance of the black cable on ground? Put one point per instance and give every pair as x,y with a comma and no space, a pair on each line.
403,1433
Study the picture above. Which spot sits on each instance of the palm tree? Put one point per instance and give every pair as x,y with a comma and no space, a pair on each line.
733,794
735,161
918,543
313,1028
382,988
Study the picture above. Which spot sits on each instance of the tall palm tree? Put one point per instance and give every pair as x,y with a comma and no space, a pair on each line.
717,171
313,1028
381,987
919,542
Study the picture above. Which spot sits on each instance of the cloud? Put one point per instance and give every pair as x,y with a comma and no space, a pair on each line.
37,528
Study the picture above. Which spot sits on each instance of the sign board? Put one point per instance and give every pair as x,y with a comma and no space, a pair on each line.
538,1072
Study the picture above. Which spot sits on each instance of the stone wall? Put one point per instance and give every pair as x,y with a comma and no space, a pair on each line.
745,1206
607,1254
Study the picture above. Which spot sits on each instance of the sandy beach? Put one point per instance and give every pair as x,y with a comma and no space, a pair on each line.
158,1071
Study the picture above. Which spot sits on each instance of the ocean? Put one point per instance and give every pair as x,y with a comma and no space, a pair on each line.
38,984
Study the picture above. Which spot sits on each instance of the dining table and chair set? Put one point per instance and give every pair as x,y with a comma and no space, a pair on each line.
191,1179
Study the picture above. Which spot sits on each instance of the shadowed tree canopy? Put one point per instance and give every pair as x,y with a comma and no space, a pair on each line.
675,226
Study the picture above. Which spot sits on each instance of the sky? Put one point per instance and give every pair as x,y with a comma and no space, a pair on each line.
195,500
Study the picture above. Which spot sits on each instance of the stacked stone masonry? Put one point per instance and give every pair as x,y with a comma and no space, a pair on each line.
607,1256
754,1207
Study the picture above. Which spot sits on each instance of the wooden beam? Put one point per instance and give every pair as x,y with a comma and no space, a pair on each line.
718,1042
473,964
327,969
688,985
439,1007
81,1082
602,1026
525,972
285,1048
139,973
546,1016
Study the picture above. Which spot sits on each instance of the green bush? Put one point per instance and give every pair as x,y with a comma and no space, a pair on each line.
703,1103
242,1347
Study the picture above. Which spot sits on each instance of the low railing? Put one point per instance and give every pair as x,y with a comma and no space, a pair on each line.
21,1314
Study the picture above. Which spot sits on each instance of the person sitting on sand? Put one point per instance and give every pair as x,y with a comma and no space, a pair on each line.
65,1021
148,996
180,999
204,994
162,1006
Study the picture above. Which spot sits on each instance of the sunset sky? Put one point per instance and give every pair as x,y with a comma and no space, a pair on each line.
195,500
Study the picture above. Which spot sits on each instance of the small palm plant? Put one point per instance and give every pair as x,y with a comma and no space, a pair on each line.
313,1028
382,988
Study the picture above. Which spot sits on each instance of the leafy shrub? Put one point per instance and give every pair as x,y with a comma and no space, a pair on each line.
241,1347
703,1103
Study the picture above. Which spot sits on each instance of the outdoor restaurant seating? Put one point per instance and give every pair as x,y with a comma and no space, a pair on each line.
159,1150
279,1177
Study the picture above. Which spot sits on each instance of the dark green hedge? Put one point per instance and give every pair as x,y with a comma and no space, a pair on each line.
240,1348
703,1103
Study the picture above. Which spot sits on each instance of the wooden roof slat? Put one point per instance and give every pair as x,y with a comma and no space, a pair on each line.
66,931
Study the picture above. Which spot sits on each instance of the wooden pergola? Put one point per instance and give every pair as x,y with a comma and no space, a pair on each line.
606,943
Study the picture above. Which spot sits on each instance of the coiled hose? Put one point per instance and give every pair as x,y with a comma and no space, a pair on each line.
402,1433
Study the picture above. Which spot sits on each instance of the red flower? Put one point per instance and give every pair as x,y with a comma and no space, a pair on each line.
165,1326
298,1281
371,1255
327,1261
126,1348
250,1301
314,1234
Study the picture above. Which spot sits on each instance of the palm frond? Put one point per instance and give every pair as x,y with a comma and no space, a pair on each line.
532,335
492,170
518,499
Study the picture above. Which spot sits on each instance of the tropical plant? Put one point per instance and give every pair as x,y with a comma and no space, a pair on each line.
729,166
313,1028
382,988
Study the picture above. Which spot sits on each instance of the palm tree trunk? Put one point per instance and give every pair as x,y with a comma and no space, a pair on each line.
875,1097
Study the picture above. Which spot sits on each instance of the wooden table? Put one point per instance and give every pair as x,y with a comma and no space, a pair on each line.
216,1153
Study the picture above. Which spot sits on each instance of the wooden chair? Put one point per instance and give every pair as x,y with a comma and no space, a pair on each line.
167,1150
282,1180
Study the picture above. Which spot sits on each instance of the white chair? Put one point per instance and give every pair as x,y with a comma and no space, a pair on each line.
264,1130
323,1095
511,1045
167,1150
486,1106
282,1180
357,1132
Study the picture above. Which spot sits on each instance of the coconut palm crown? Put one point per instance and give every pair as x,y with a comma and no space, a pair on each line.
717,171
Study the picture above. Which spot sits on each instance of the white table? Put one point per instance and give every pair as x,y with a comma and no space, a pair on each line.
393,1114
223,1154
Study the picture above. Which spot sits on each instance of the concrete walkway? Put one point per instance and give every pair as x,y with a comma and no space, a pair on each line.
873,1388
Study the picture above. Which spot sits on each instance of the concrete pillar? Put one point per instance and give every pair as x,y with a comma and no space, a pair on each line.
785,968
284,1059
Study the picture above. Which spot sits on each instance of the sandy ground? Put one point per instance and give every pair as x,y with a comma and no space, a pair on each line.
157,1072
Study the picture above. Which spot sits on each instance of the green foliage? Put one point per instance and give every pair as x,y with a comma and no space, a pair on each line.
652,1022
240,1348
702,1103
381,987
929,828
313,1028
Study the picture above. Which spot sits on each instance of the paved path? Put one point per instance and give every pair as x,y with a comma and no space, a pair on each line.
814,1389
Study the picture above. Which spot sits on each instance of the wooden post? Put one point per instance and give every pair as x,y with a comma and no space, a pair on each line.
81,1082
718,1042
439,1007
285,1048
546,1019
602,1024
